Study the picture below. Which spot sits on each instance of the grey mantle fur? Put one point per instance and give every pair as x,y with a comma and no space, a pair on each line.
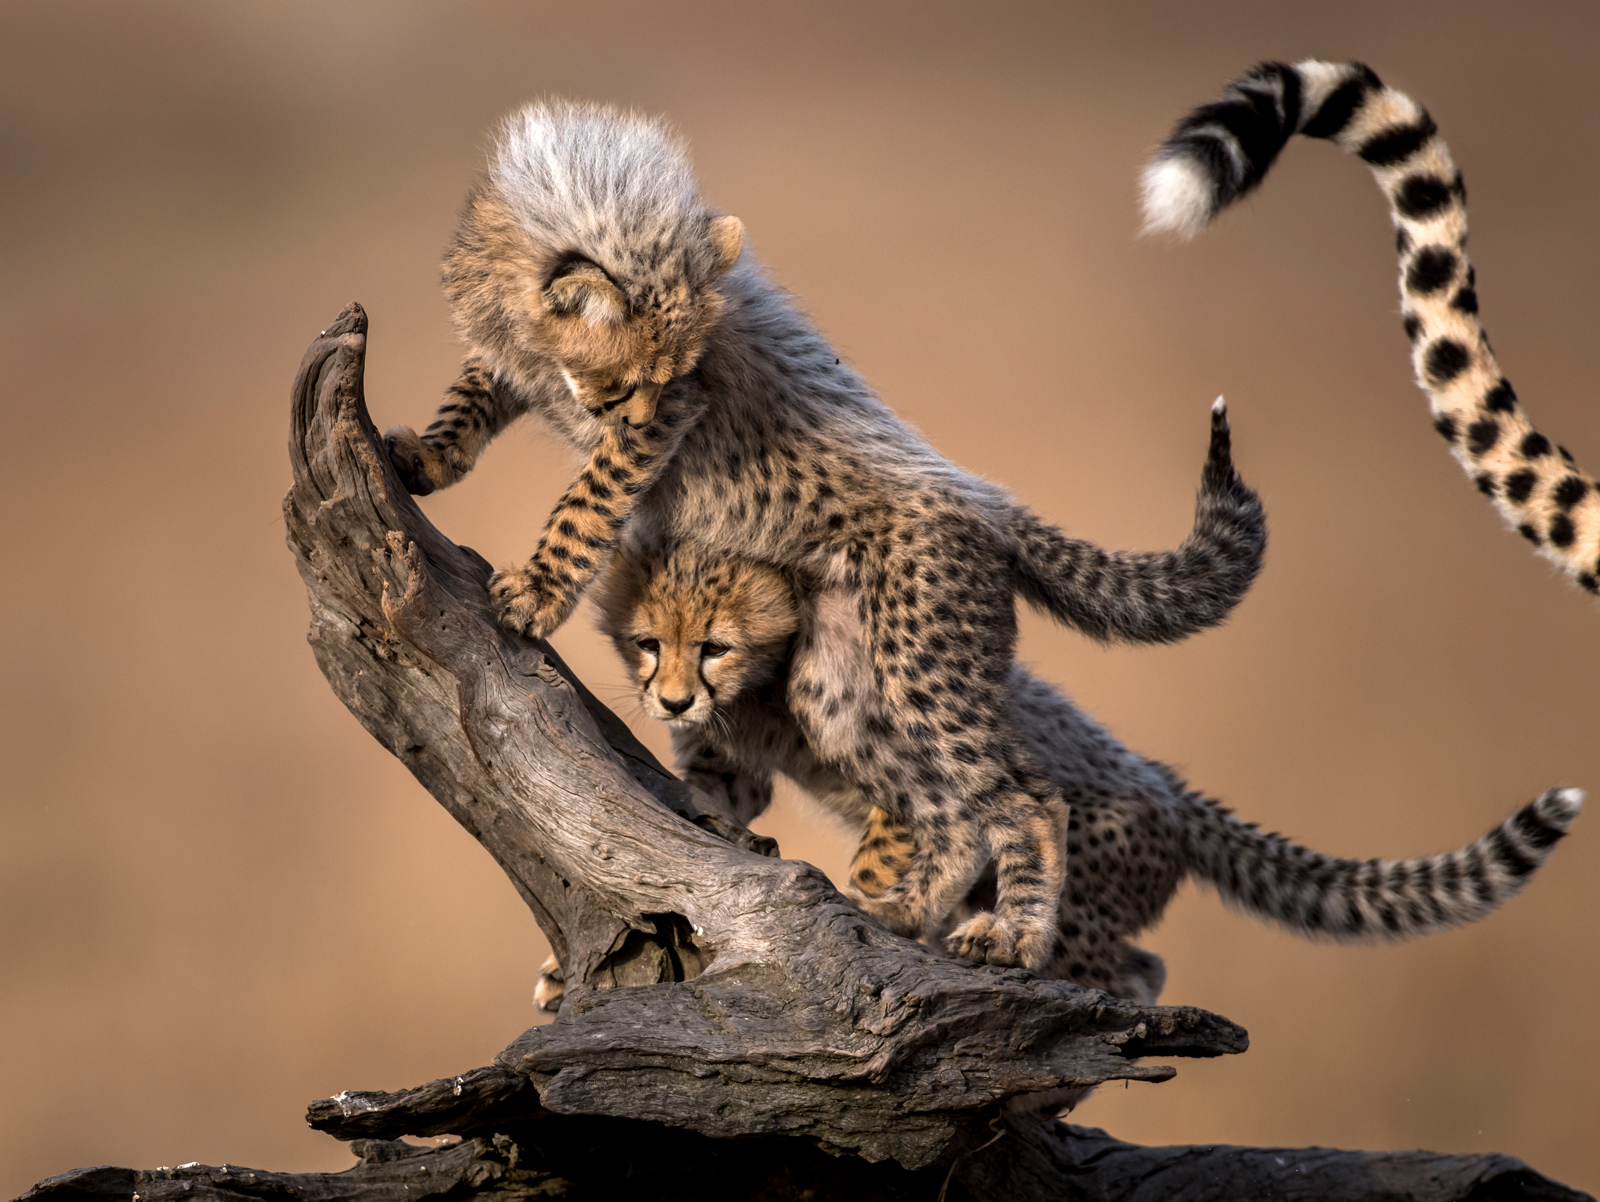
732,1027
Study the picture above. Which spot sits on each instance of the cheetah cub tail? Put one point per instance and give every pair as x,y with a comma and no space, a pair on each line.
1364,900
1221,151
1150,596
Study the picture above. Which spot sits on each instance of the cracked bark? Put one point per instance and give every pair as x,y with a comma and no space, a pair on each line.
719,1003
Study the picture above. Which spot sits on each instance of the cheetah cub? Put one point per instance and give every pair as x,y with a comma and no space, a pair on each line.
755,679
599,292
1221,151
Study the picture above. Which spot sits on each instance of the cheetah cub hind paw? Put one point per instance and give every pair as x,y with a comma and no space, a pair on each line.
736,833
986,938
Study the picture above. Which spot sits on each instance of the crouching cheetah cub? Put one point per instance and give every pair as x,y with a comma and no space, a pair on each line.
756,679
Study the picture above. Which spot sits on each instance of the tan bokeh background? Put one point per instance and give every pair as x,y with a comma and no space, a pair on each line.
219,898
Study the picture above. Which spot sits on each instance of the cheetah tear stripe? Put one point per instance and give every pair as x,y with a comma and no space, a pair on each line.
1222,151
1364,900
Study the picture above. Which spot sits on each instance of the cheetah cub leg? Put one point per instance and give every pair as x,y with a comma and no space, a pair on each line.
473,412
1030,872
584,527
882,857
929,887
1026,849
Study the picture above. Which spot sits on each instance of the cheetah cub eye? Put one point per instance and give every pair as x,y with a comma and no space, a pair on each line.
713,650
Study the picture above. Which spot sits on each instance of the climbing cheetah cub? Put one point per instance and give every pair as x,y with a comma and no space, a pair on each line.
601,293
756,680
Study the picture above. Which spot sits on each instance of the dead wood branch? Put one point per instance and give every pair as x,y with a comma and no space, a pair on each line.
719,1003
772,1005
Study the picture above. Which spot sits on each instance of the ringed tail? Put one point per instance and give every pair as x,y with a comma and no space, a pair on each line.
1222,150
1150,596
1371,900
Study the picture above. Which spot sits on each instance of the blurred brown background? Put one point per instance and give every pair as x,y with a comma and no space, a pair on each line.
220,899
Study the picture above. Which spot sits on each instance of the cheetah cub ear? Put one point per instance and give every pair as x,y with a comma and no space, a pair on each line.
581,288
727,239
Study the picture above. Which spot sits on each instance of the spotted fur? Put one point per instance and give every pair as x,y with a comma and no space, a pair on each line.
601,293
1135,833
1222,150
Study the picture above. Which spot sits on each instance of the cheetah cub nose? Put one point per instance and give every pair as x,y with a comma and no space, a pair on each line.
678,706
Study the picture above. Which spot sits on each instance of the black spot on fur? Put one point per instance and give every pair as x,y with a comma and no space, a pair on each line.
1482,435
1535,446
1570,491
1413,326
1502,398
1465,301
1446,425
1535,830
1260,111
1421,196
1395,146
1566,454
1562,532
1446,359
1485,483
1341,104
1588,582
1432,269
1511,857
1529,533
1519,485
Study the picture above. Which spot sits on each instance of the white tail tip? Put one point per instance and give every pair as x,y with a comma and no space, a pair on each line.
1178,197
1219,407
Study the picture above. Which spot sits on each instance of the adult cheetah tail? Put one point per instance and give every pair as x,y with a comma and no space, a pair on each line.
1150,596
1367,900
1221,151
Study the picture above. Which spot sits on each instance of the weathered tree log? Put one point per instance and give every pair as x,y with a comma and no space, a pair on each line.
720,1003
560,1157
772,1005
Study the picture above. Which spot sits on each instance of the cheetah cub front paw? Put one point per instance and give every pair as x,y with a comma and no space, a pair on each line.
420,468
528,602
987,938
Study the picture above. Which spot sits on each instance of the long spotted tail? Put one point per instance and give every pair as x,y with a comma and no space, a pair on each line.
1221,151
1325,896
1150,596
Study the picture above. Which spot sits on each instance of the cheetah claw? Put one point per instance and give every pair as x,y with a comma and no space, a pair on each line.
524,602
989,939
409,458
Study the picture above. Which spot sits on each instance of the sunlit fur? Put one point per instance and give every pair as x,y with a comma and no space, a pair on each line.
1136,830
600,292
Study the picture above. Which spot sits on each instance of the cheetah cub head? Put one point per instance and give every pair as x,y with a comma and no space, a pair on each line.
586,244
695,632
